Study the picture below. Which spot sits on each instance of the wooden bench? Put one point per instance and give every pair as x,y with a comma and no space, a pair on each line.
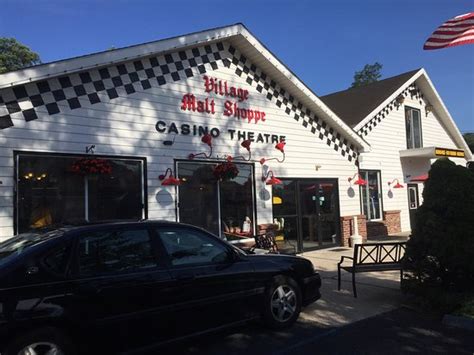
373,257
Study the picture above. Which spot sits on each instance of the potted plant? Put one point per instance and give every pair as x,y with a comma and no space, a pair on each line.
225,171
91,166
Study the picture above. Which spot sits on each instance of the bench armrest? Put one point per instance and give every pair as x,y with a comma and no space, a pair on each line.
344,257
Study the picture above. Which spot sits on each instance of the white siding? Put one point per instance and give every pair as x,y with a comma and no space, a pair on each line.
387,139
126,126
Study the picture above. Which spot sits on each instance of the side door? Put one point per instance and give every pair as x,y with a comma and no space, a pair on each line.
120,285
413,203
214,285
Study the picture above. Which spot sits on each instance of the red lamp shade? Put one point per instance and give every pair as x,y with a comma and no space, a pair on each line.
281,147
170,181
207,139
359,180
273,181
262,161
246,144
397,185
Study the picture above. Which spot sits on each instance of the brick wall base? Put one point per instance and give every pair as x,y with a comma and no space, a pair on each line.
347,229
392,221
389,225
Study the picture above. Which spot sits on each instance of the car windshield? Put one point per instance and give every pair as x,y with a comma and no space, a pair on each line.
17,245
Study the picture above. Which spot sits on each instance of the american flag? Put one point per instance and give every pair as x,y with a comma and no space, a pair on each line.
454,32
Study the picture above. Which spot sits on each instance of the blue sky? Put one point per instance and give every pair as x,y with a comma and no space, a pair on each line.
324,42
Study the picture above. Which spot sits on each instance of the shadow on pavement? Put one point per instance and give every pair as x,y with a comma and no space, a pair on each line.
402,331
252,338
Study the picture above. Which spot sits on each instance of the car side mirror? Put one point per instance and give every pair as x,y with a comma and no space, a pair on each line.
234,255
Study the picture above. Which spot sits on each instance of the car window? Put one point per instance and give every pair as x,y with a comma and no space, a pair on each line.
56,260
15,246
186,247
115,251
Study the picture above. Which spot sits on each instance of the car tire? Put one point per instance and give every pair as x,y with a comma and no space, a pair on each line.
41,340
282,303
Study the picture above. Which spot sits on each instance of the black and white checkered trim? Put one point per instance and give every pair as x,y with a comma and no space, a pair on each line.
411,90
66,92
276,94
114,81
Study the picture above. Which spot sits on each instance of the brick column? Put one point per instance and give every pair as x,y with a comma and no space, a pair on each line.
392,221
347,230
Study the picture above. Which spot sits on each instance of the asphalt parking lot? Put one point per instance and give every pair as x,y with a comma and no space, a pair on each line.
401,331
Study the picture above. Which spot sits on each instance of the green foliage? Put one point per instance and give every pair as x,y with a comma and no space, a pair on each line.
467,308
469,138
440,252
369,74
14,55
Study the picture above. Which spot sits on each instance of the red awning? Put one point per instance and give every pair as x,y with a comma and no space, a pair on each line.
419,178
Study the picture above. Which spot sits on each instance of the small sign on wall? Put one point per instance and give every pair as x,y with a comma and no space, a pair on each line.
443,152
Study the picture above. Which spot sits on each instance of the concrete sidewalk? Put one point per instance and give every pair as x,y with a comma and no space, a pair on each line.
378,292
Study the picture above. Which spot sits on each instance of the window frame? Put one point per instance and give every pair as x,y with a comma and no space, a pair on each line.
159,258
379,180
412,131
18,153
169,264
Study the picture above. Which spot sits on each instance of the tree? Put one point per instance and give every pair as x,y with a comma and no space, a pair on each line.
469,138
440,252
14,55
370,74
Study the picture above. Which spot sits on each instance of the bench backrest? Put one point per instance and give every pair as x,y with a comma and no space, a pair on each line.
379,253
265,238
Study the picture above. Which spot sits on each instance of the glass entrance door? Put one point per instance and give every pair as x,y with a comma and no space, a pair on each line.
328,213
285,211
309,215
307,211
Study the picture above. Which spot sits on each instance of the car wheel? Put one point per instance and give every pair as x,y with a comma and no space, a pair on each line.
44,341
282,304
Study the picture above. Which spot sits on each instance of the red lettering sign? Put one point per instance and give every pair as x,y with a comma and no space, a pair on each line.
189,102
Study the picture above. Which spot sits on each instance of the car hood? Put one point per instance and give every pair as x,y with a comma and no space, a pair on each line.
283,263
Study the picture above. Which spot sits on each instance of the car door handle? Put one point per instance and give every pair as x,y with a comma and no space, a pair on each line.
185,277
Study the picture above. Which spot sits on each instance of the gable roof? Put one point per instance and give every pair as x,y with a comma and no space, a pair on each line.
354,104
249,47
391,88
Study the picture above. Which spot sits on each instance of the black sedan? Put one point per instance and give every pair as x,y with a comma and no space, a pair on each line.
111,287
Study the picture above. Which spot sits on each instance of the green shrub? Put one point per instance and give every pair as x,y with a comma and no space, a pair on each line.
467,308
440,252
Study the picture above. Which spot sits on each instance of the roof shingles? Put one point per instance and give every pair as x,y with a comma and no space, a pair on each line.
354,104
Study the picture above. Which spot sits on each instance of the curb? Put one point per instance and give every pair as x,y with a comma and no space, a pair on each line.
458,321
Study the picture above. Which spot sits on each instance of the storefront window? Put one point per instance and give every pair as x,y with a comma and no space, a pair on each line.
50,193
237,201
224,208
371,194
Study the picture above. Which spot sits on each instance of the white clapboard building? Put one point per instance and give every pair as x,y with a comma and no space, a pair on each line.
211,129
